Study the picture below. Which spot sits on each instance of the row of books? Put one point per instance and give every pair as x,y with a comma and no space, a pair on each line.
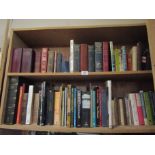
102,56
77,106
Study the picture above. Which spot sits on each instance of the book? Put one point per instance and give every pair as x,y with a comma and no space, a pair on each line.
85,109
97,106
69,106
72,108
105,54
93,108
91,58
29,105
76,58
59,62
50,65
112,54
16,60
100,106
37,60
98,57
139,55
55,60
134,58
124,58
114,112
84,57
24,106
79,108
44,59
75,106
27,59
71,59
117,60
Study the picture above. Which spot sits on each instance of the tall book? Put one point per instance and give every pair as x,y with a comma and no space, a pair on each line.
84,57
11,103
71,59
76,58
97,106
85,109
117,60
112,54
129,60
105,49
72,108
79,103
69,106
37,60
59,62
100,106
27,59
93,102
16,60
50,65
75,106
114,112
124,58
44,59
29,105
91,58
24,106
98,57
134,58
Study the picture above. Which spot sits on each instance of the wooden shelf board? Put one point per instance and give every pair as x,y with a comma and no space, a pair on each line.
119,129
91,75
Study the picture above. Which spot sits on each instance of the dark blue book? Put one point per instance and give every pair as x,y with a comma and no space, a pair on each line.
105,108
64,65
59,62
98,57
75,105
76,58
91,58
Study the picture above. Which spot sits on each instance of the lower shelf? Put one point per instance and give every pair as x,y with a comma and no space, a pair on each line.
51,128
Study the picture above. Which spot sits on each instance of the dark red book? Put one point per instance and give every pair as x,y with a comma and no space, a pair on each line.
44,59
16,60
20,100
37,60
84,57
27,60
129,61
105,56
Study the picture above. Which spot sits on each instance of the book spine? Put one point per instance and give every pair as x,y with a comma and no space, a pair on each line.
75,104
94,108
59,62
72,107
124,58
24,106
78,108
50,66
105,56
112,56
84,57
37,60
139,55
44,59
71,55
121,111
91,58
62,107
97,107
69,106
117,60
134,58
98,57
65,111
76,58
91,108
100,106
55,61
129,61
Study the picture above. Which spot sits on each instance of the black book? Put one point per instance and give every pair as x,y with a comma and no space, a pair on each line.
79,108
98,57
12,100
50,107
42,104
85,109
59,62
97,107
91,58
76,58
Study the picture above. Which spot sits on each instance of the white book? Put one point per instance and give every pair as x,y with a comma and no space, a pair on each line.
29,105
134,58
109,85
134,108
71,56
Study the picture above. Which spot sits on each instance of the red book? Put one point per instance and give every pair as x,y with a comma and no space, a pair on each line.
27,60
19,109
139,109
100,105
16,60
84,57
37,60
129,61
44,59
105,56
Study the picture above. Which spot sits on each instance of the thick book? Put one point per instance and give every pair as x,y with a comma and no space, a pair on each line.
84,57
50,65
79,103
29,105
35,108
44,60
105,49
91,58
71,58
112,54
27,59
134,58
20,99
124,58
76,58
24,105
98,57
85,109
37,60
16,60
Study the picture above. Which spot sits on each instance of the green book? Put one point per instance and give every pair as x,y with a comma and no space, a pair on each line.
117,63
149,110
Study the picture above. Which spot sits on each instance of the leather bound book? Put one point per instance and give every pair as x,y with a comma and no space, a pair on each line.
37,59
105,56
44,59
59,62
91,58
50,65
97,106
76,56
98,57
24,105
83,57
16,60
27,60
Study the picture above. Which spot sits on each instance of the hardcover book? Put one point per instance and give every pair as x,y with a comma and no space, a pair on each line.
105,56
37,64
44,59
98,57
50,65
76,57
84,57
91,58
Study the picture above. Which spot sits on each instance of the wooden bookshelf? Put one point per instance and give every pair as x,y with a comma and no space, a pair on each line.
59,37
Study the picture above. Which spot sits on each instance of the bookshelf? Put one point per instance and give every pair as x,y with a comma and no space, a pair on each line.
124,82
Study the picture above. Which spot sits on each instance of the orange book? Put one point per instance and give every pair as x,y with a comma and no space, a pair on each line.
19,110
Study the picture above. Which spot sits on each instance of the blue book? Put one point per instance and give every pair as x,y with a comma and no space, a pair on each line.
64,65
75,103
124,58
59,62
94,109
91,58
98,57
105,108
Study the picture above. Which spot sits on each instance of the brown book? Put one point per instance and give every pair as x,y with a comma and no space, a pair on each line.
37,59
16,60
114,112
84,57
44,59
50,65
24,106
27,60
35,108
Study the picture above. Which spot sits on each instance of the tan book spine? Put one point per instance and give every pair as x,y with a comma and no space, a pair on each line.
134,58
35,108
